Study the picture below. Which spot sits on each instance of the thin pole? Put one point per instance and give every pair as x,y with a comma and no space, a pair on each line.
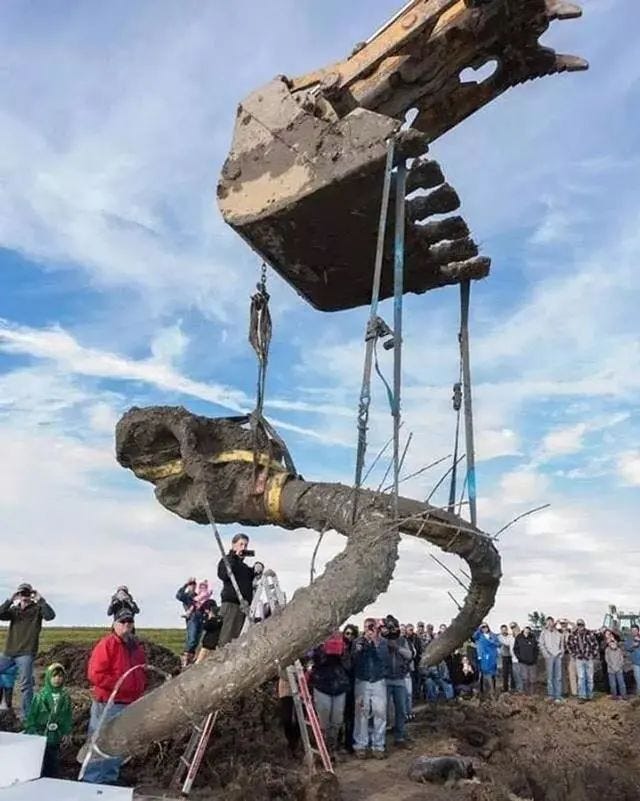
398,291
370,335
465,293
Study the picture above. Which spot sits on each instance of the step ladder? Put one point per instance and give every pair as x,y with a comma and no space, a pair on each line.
307,719
268,588
190,761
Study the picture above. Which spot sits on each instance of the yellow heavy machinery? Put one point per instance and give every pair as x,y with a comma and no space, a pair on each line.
302,181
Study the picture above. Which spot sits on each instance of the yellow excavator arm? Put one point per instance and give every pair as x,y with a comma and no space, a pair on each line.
302,181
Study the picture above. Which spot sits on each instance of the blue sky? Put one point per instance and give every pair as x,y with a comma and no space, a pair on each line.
122,286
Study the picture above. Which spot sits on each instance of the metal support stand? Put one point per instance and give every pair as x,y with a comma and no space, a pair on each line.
398,291
465,293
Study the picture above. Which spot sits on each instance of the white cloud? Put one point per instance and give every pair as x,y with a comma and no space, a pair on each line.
562,441
169,344
523,486
629,468
59,346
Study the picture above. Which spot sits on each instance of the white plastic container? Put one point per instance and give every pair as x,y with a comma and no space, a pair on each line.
20,757
58,790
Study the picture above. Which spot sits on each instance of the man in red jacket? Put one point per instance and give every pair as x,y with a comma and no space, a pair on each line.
117,661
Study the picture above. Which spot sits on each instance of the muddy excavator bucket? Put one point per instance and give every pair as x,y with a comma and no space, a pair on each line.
303,181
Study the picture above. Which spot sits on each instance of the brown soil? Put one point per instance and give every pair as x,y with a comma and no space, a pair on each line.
522,749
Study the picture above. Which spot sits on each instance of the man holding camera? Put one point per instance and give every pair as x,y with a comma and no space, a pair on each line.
397,663
25,611
231,609
369,665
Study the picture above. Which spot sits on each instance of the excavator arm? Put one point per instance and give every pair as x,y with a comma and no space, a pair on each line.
415,60
302,181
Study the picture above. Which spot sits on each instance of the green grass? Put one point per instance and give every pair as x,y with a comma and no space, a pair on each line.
173,639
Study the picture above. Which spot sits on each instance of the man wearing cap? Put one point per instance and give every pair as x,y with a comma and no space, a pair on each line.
233,615
25,611
117,656
583,646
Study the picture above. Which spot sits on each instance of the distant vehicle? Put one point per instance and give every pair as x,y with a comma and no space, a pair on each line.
619,620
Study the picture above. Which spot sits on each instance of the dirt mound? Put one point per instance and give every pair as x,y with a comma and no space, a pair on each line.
522,749
74,657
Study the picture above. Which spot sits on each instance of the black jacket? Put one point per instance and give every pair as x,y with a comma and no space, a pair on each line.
329,675
244,576
122,602
212,627
526,649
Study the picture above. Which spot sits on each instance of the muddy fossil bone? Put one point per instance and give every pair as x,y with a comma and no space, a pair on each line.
188,458
301,183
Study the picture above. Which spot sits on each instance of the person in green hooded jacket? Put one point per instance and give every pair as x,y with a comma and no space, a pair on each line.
51,716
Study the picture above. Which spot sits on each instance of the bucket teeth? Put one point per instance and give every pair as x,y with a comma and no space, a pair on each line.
442,200
561,9
438,230
424,174
568,63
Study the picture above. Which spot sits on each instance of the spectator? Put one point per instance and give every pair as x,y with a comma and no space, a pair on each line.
466,679
551,647
526,649
232,614
7,683
397,660
117,656
583,647
211,625
506,645
514,630
25,611
569,675
413,678
122,599
288,717
203,594
615,667
438,682
330,683
194,618
370,691
487,646
51,716
350,635
632,647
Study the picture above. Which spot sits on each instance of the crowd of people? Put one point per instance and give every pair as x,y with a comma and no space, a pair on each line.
368,686
364,684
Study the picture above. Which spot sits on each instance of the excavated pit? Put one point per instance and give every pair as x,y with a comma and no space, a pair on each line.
523,749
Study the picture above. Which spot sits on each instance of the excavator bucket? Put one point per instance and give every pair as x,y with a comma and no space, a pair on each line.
303,181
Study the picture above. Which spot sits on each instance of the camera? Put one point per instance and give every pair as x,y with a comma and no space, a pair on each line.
249,553
391,628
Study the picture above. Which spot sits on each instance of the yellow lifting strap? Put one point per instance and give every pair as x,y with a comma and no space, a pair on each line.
175,467
273,490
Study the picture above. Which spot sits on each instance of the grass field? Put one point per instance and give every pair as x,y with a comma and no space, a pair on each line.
51,635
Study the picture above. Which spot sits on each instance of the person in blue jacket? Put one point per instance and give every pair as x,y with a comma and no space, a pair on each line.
487,647
632,647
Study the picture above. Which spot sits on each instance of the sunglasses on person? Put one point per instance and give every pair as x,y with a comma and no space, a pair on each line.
349,634
126,620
